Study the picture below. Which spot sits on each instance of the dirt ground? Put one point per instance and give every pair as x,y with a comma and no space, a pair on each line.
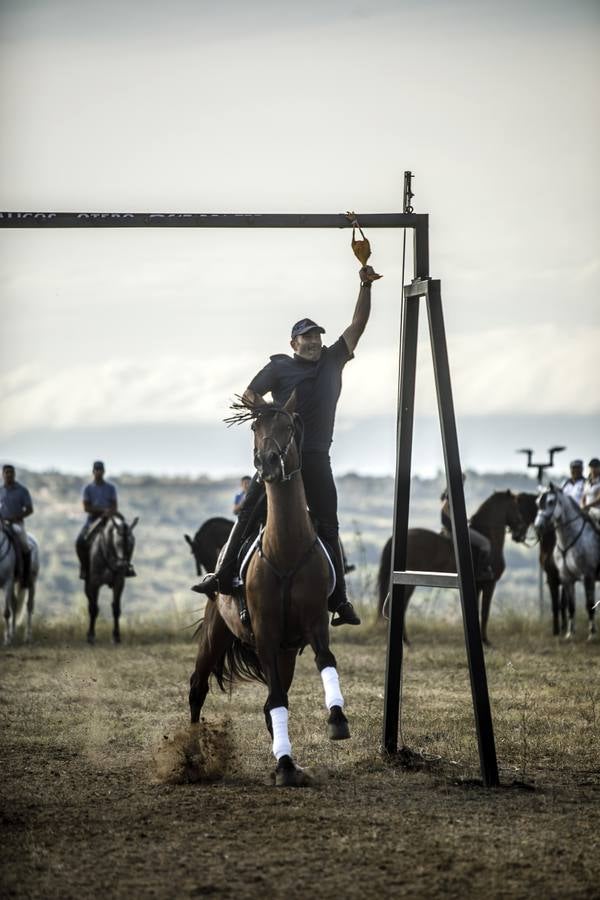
85,810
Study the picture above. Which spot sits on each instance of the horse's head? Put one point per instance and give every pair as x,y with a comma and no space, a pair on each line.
514,518
550,509
527,504
277,438
121,541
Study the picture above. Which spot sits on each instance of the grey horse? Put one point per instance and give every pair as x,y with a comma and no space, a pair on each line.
577,550
111,549
15,590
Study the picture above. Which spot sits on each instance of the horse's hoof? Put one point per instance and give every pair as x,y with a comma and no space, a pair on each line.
90,638
337,725
116,638
592,636
288,774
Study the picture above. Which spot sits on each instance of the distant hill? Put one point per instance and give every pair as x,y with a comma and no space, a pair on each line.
169,507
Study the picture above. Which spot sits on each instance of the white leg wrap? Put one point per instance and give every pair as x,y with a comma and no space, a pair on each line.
281,740
331,683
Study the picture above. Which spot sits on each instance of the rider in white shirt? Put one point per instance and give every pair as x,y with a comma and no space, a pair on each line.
573,486
590,500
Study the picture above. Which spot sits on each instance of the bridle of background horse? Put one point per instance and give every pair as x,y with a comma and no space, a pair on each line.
105,547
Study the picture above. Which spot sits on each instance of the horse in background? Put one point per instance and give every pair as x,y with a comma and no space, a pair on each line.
287,584
577,550
15,590
429,551
547,541
110,552
207,543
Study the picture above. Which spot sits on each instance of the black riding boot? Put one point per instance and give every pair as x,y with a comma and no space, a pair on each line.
338,604
82,550
26,567
221,582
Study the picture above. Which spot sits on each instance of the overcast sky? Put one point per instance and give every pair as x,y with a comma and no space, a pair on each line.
319,106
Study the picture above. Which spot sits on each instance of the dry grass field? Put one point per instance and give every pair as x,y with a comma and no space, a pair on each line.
88,808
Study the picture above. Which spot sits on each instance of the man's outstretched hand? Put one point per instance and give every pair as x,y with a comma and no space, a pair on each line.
368,273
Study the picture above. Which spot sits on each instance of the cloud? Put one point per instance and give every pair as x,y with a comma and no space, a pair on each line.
534,370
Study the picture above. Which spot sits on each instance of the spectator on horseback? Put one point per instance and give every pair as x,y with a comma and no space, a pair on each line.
314,372
100,503
590,500
479,543
241,495
15,507
574,485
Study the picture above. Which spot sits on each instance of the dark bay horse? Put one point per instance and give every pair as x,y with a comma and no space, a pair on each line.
287,584
547,541
111,548
207,543
430,551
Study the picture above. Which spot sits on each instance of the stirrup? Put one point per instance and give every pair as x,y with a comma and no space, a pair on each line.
346,615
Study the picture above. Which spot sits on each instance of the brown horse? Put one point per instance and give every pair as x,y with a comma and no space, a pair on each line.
287,584
433,552
528,506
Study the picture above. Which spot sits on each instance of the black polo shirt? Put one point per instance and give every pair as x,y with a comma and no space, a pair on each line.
317,384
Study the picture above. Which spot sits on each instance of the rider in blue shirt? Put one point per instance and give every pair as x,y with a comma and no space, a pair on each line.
15,507
99,502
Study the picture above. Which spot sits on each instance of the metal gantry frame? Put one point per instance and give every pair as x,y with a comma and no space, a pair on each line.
422,287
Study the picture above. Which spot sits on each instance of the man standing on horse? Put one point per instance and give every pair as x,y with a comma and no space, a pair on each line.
314,372
573,486
100,503
15,506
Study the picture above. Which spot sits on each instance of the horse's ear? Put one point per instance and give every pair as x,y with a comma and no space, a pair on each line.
188,539
251,398
290,406
134,523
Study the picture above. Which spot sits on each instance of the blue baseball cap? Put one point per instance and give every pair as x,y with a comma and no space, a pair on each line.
305,325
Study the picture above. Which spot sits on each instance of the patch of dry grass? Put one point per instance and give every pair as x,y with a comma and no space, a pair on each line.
89,776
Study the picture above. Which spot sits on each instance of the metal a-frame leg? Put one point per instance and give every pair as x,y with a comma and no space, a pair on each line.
397,604
400,578
460,534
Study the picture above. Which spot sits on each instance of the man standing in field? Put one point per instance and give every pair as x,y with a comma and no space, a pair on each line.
314,372
15,507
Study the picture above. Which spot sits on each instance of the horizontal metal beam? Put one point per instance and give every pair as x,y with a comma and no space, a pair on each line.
208,220
426,579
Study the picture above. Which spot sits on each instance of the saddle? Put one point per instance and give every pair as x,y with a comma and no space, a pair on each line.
252,545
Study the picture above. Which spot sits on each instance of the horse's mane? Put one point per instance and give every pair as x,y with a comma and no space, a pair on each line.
484,507
245,410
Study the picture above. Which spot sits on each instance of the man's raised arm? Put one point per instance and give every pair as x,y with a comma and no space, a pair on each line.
362,310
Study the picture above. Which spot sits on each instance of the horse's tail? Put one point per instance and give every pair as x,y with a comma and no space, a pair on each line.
383,575
239,662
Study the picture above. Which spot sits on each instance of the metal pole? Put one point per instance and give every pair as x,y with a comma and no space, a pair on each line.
462,544
397,606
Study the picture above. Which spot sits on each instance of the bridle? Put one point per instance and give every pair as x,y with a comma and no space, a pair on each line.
578,515
295,432
114,562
